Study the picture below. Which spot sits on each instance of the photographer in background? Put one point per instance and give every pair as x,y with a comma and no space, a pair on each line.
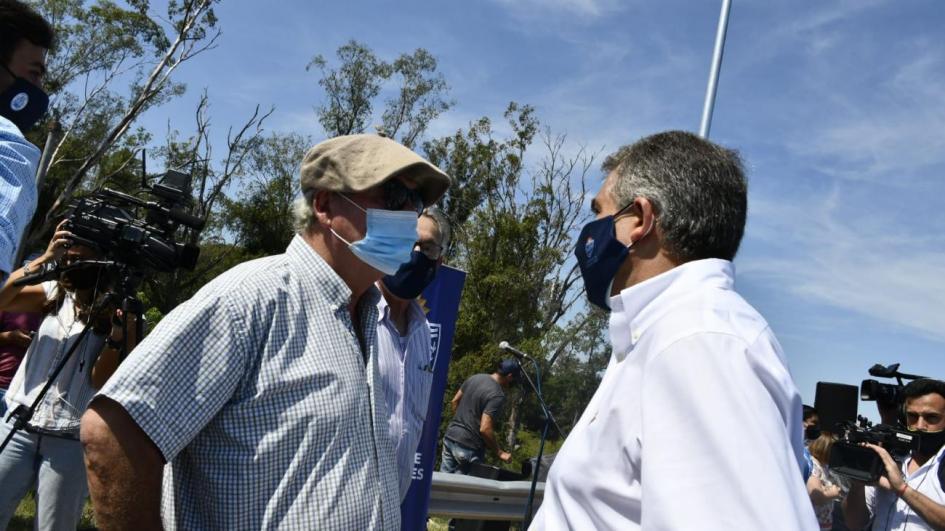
909,496
25,37
47,456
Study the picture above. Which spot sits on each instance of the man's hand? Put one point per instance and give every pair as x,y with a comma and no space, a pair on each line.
505,457
17,338
892,479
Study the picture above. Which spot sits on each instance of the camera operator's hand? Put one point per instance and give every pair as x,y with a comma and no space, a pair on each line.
117,339
892,479
58,245
117,334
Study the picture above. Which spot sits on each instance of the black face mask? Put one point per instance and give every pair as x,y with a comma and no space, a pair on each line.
811,433
81,278
930,442
23,103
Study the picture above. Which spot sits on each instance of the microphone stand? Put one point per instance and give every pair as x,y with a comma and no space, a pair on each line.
536,386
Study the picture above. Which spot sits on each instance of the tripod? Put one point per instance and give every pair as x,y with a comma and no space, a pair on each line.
128,281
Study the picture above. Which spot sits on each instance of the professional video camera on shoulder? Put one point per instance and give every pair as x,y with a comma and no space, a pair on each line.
837,407
110,221
885,394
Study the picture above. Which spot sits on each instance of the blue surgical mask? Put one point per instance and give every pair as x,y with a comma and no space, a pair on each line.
412,277
600,254
23,103
389,239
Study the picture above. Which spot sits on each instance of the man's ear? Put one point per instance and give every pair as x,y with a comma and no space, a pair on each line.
321,208
645,216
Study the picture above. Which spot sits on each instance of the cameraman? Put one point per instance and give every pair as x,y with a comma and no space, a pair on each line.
909,496
47,455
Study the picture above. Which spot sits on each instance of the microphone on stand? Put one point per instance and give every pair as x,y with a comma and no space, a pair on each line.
516,352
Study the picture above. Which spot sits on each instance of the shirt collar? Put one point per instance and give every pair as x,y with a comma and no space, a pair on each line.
316,274
415,315
636,308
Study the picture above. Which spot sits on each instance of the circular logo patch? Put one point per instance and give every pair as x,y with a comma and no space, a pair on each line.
18,103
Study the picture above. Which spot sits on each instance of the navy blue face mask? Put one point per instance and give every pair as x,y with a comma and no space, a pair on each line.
412,277
600,254
23,103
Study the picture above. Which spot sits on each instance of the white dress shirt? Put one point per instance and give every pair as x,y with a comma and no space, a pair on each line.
406,378
697,399
892,513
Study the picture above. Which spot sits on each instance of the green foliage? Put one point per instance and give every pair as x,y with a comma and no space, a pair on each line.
352,87
261,216
514,223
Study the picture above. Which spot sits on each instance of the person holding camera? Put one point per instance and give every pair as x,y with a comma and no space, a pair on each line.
910,496
46,454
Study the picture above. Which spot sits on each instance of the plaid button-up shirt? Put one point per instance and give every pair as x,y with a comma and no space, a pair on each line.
257,393
18,161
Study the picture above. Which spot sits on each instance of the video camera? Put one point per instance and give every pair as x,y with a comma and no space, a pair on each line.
885,394
110,221
836,405
848,458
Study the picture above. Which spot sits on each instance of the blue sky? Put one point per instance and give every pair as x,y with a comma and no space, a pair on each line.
838,109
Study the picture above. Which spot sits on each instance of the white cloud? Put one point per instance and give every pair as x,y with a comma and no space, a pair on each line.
862,263
891,133
584,8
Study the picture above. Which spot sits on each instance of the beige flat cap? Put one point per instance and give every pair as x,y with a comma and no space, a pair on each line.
354,163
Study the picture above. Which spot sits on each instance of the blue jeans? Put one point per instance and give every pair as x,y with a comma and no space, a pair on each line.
52,465
456,458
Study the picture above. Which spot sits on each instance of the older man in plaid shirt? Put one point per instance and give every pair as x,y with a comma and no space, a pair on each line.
262,392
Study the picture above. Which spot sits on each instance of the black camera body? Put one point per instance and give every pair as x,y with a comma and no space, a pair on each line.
848,458
137,233
882,393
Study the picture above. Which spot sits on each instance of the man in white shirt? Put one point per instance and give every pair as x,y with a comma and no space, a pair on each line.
909,496
696,423
403,340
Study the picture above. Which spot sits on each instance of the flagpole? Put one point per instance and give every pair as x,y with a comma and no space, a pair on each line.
714,72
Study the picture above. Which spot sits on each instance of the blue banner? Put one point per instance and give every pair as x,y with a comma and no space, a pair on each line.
440,301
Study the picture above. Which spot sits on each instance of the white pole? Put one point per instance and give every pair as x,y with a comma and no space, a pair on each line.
714,72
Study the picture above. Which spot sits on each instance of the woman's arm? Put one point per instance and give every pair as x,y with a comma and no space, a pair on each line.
31,298
821,493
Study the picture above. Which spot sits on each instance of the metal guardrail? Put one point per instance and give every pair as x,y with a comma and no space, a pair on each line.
472,498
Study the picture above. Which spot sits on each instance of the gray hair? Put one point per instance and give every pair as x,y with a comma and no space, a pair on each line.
698,190
442,224
303,217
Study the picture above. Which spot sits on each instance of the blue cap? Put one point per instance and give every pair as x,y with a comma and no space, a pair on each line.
510,366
